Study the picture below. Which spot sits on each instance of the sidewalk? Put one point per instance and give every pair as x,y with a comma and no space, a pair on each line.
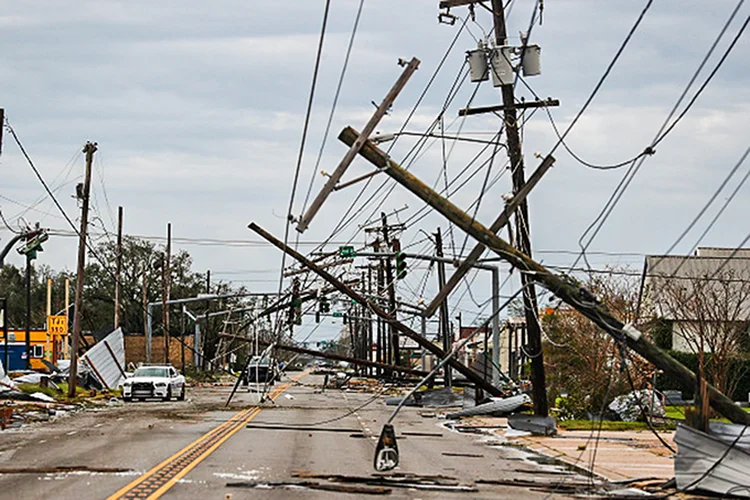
618,455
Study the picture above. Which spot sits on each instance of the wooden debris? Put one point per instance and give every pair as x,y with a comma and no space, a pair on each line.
339,488
61,469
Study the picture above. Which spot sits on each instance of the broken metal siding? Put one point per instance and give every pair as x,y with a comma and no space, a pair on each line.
106,367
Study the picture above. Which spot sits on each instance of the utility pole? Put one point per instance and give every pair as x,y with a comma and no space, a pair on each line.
165,282
28,311
89,149
146,312
376,309
563,287
66,344
369,128
394,356
444,320
204,337
48,345
118,268
531,308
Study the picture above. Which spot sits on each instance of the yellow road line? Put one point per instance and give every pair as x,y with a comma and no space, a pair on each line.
156,481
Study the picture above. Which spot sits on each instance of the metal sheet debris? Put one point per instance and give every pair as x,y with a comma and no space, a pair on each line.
706,462
107,359
497,405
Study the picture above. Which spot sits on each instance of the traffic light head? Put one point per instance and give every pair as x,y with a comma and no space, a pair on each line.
400,266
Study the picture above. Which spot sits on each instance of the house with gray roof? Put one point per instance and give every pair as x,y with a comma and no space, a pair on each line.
699,302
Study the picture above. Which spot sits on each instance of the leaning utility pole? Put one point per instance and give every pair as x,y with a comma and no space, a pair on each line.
562,286
89,149
118,268
471,375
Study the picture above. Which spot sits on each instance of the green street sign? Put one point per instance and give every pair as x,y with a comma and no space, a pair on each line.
347,251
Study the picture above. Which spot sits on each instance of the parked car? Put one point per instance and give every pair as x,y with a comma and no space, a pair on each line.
154,381
262,370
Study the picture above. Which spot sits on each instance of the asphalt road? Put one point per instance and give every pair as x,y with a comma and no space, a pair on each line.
138,436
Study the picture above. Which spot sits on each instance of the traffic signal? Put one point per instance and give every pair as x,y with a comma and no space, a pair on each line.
324,306
33,243
400,265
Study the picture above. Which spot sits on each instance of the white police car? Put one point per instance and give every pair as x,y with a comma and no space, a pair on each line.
154,381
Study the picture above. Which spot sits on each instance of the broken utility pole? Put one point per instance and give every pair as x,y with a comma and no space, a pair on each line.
89,149
334,178
565,288
472,376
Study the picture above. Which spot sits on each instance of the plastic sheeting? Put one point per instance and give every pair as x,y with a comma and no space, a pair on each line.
107,360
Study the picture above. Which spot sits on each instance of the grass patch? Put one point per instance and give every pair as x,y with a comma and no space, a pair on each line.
608,425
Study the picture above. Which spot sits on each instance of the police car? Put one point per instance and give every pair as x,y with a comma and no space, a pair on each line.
154,381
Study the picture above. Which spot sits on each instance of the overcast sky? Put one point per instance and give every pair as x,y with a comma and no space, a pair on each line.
198,111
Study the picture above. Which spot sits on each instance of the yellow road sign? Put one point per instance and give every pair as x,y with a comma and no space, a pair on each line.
57,325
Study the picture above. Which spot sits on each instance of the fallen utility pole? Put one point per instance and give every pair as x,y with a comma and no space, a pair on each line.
472,376
565,288
335,357
89,149
335,177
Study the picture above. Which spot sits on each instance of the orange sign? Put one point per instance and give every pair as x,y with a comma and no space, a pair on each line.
57,325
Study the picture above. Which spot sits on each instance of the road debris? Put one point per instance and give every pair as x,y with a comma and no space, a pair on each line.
497,406
339,488
62,469
396,480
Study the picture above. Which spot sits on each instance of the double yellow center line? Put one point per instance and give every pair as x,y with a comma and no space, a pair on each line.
154,483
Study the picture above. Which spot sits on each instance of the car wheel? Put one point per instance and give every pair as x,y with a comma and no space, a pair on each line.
181,397
168,397
127,399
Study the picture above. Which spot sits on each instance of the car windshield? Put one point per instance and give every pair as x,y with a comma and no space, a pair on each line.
257,361
151,371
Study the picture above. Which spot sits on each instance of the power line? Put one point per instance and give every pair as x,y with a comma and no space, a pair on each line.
305,127
635,167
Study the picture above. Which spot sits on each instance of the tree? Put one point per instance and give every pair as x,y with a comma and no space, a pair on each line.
583,363
708,309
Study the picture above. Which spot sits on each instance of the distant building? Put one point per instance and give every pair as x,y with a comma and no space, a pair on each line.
702,295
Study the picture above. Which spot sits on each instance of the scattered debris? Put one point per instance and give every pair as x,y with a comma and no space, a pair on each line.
421,434
107,360
397,480
495,406
42,397
339,488
632,406
274,427
61,469
431,398
467,455
717,463
541,426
